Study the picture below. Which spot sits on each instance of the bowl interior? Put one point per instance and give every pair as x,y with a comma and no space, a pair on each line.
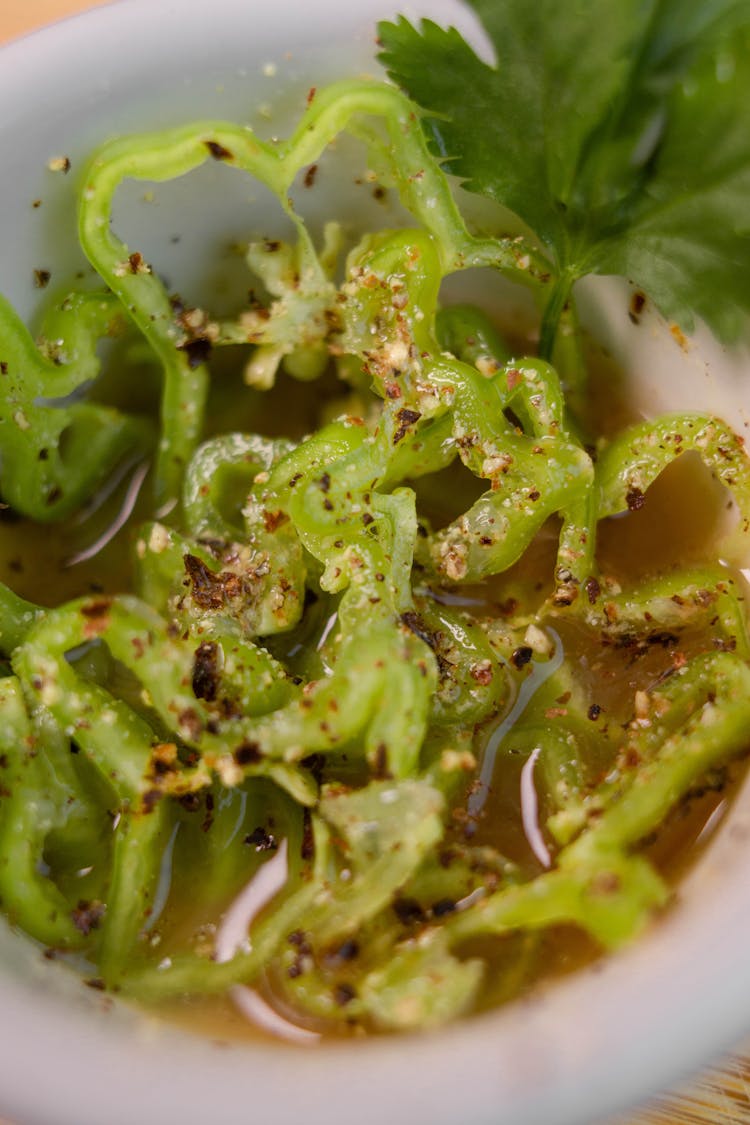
572,1052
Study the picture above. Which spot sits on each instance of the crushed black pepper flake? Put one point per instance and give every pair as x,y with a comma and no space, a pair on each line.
414,624
247,754
96,609
190,802
344,993
261,840
273,520
209,817
150,800
218,151
197,351
87,916
207,587
637,305
347,951
521,656
380,763
42,278
406,418
206,671
635,499
408,911
307,851
593,590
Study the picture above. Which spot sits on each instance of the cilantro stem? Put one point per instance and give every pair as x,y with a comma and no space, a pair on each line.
552,313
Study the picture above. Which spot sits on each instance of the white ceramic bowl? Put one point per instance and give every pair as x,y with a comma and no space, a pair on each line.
574,1052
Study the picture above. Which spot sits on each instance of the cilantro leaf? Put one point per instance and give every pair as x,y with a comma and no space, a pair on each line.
615,129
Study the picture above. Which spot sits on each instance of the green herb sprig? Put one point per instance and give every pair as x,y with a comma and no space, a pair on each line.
615,129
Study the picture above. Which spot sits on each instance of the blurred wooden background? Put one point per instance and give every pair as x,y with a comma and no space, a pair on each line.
19,16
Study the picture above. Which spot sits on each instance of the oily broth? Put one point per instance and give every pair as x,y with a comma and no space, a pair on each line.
683,516
611,676
517,963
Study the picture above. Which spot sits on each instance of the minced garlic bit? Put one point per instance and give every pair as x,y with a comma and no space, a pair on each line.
453,760
538,640
229,773
642,706
158,540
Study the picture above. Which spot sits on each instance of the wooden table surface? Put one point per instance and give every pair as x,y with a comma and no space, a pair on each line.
720,1096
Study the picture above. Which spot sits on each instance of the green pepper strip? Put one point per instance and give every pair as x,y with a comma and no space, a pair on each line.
673,602
394,283
16,618
119,744
28,811
56,452
190,972
596,883
213,611
633,460
172,153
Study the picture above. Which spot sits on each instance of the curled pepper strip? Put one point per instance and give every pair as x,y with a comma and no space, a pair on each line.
253,573
28,812
161,156
58,451
293,330
675,602
394,283
626,467
141,764
210,621
597,883
16,618
191,973
119,744
633,460
386,832
249,453
376,647
472,682
695,721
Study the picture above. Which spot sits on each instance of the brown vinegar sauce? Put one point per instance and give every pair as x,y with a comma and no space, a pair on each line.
681,519
684,516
